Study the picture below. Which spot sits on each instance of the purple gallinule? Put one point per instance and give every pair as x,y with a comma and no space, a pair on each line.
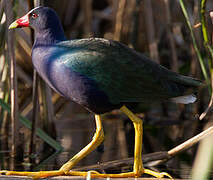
101,75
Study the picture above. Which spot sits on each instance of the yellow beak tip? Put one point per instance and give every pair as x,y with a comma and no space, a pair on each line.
13,25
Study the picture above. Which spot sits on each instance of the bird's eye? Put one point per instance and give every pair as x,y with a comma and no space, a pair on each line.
34,15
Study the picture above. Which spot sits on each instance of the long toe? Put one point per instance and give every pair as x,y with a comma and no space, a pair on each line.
157,174
44,174
35,175
95,174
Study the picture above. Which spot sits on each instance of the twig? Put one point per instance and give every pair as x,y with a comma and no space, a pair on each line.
197,25
210,102
186,145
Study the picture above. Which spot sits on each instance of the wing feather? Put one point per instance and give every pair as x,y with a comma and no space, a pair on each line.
122,73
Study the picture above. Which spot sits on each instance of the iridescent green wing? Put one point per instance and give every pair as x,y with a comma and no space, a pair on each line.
123,74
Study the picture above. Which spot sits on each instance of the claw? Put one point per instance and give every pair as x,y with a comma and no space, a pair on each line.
166,174
157,174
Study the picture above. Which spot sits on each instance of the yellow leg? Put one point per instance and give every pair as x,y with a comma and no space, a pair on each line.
138,164
138,125
96,141
138,169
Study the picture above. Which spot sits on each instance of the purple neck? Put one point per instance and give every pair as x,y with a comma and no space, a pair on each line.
50,35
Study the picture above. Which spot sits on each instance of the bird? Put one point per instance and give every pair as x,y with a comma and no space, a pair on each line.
101,75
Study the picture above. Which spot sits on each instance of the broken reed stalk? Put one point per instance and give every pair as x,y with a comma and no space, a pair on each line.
4,94
121,139
13,80
34,114
47,108
134,33
87,13
149,22
174,61
119,20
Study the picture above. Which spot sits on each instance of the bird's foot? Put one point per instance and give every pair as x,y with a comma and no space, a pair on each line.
92,174
34,175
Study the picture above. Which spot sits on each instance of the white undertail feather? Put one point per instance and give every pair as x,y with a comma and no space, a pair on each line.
184,99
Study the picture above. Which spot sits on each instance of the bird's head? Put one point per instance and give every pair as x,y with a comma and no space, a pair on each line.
38,18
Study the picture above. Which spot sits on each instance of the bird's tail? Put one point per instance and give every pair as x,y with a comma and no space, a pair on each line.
188,81
187,99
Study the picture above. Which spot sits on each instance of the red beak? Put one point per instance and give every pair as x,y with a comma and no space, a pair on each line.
21,22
